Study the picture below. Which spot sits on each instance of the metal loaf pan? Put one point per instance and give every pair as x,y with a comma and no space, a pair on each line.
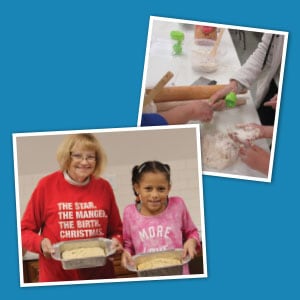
88,262
163,271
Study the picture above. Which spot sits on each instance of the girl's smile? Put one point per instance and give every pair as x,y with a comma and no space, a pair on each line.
153,190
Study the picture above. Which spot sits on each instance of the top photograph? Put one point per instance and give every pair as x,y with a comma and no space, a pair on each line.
226,78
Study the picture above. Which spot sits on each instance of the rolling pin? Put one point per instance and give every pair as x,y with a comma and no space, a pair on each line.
178,93
164,106
157,88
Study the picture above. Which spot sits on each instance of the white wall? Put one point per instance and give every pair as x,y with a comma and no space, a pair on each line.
35,157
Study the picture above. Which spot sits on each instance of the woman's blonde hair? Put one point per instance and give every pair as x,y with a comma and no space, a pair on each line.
85,141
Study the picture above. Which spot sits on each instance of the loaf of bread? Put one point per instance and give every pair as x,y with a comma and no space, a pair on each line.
83,253
158,263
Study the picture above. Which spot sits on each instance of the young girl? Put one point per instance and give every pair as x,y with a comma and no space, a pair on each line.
156,222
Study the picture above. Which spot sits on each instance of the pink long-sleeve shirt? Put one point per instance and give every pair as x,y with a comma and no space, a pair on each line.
165,231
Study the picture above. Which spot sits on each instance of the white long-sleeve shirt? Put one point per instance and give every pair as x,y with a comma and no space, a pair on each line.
252,71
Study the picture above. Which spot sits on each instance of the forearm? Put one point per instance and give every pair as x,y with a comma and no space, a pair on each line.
180,114
251,69
31,241
267,132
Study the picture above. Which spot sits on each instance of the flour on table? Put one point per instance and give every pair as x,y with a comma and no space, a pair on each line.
219,150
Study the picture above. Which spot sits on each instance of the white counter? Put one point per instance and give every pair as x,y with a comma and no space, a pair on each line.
160,59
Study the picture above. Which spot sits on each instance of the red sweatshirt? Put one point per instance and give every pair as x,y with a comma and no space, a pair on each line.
60,211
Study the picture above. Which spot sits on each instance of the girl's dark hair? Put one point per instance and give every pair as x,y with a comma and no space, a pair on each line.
149,166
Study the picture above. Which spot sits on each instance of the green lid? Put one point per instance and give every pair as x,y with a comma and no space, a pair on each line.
177,35
230,99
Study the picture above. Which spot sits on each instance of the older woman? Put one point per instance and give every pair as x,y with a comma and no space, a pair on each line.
69,204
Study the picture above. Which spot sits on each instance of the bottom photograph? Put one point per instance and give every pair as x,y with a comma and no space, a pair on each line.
109,205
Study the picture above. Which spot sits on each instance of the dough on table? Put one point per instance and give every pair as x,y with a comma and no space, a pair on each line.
83,253
219,150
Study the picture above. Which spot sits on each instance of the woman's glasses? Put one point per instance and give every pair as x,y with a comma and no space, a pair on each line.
80,157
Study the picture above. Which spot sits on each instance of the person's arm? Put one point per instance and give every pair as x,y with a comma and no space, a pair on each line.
190,233
127,236
244,78
114,223
32,220
267,131
127,240
252,68
181,114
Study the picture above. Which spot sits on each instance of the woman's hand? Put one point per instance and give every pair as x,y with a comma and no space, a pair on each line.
47,248
189,248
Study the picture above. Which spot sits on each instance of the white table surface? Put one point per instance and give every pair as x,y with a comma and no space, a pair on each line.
160,59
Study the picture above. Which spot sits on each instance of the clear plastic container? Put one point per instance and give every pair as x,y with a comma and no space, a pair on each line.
200,56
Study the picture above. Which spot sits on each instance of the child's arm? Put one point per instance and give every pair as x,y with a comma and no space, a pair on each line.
190,234
126,258
127,237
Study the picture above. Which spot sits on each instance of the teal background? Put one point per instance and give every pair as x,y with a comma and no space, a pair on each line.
68,65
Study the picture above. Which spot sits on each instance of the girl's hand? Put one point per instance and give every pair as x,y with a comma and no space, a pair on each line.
126,259
189,248
117,245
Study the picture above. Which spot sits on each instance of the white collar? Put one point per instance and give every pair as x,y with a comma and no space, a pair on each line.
72,181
